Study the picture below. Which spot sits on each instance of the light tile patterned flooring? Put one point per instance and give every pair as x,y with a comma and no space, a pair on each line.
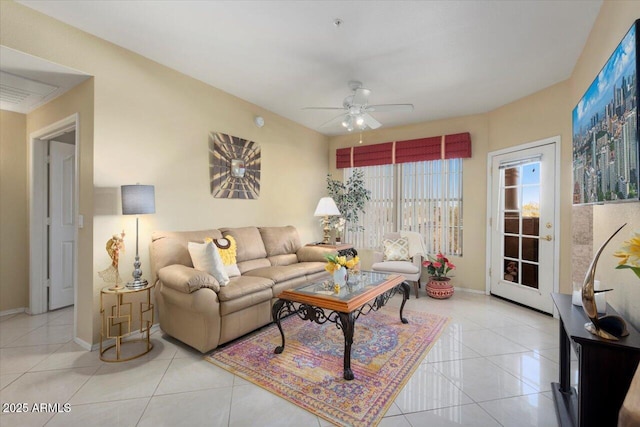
492,366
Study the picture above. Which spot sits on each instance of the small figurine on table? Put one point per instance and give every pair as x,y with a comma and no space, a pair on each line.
114,246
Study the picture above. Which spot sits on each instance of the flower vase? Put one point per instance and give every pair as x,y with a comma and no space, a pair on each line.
340,276
439,287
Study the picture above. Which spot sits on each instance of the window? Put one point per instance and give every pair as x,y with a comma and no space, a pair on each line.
421,196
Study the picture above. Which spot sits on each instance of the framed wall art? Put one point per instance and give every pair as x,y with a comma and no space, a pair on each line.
234,167
605,130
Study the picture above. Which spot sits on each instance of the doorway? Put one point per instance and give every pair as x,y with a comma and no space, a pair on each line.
523,211
53,216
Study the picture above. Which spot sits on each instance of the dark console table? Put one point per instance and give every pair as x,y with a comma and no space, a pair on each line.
605,367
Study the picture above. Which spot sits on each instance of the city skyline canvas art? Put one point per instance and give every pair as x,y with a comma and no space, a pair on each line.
605,130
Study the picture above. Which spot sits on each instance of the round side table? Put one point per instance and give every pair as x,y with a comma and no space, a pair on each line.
117,321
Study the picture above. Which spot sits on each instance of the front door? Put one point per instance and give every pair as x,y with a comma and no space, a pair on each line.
62,224
523,229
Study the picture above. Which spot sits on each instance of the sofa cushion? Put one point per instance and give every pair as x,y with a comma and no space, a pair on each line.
186,279
284,259
205,257
279,273
280,240
253,264
249,243
242,286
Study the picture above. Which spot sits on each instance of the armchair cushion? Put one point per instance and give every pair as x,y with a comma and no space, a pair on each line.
400,267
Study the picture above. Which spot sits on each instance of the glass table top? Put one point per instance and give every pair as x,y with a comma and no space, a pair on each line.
357,284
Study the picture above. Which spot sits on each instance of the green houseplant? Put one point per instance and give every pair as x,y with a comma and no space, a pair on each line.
350,197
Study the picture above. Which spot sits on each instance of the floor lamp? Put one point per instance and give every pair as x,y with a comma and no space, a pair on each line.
137,200
326,206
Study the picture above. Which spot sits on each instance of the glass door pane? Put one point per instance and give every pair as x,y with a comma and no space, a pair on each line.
520,188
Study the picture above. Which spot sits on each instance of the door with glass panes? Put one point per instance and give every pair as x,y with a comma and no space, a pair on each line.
523,229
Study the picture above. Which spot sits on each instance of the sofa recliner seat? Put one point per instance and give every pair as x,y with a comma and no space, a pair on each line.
195,309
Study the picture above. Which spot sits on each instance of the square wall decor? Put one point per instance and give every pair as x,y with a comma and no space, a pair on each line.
234,167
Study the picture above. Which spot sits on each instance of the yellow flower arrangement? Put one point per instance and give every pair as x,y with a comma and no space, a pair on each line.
630,254
334,262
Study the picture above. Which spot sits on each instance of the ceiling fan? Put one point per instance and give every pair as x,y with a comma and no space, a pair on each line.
356,109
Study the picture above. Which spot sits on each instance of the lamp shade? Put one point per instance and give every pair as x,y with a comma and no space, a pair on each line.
138,199
326,206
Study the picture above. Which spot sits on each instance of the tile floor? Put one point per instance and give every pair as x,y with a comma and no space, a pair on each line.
492,366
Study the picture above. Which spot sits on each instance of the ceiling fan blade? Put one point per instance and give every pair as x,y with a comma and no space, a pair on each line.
323,108
339,116
390,107
361,96
370,121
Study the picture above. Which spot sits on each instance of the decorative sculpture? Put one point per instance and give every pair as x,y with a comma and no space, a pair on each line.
114,246
608,326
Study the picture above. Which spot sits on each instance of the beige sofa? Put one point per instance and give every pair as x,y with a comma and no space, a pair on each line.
196,310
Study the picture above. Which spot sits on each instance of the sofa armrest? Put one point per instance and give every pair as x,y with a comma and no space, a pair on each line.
186,279
313,253
378,257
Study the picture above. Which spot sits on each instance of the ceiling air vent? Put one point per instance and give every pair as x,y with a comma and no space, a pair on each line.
19,93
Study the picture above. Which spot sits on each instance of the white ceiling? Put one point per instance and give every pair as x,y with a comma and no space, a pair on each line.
448,58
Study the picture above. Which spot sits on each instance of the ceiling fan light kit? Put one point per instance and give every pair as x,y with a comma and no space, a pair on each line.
356,109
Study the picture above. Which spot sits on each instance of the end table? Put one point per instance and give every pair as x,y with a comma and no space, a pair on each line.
117,321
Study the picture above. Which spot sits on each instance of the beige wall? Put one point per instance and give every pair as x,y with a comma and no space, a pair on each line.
14,244
614,20
151,126
544,114
78,100
535,117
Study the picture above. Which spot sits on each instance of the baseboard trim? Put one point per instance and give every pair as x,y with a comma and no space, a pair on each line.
472,291
13,311
82,343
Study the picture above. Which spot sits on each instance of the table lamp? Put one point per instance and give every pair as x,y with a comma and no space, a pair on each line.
137,200
326,206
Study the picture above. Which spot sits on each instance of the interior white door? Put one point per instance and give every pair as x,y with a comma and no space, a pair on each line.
62,224
522,226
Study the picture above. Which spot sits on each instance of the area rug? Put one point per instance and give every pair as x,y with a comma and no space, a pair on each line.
308,373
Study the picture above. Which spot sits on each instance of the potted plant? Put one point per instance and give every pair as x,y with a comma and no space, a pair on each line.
438,268
350,197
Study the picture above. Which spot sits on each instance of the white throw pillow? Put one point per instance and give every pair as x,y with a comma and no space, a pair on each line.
205,257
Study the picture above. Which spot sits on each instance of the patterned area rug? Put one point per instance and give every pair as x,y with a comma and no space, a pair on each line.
384,355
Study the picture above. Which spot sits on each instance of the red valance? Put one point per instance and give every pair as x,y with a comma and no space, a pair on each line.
413,150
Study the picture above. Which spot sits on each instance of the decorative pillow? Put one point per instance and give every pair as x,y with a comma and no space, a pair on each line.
205,257
396,250
227,248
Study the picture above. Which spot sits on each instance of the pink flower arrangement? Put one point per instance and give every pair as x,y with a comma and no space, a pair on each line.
438,267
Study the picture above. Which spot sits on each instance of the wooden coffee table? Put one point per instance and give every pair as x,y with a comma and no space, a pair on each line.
317,302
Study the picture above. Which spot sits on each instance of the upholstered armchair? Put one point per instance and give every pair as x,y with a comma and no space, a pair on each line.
402,254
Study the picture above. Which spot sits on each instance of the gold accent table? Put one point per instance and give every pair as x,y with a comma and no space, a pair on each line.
116,321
